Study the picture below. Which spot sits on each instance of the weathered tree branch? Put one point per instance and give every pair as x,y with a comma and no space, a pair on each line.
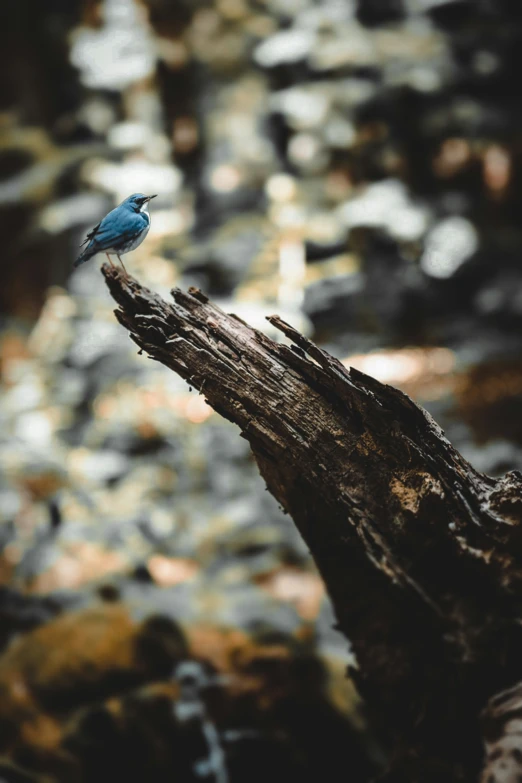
420,553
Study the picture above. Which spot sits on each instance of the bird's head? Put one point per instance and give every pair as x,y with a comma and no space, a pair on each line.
137,202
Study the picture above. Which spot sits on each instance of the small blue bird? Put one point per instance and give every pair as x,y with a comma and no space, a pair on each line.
121,231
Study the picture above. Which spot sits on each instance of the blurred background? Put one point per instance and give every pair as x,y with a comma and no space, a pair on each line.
353,165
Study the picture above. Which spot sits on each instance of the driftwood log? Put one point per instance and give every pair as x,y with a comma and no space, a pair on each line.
420,553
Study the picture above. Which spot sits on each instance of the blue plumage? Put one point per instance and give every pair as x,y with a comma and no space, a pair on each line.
121,231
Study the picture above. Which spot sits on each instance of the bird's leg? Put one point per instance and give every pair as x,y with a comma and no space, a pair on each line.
110,260
123,265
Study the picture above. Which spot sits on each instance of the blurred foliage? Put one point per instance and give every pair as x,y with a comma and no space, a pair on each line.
354,166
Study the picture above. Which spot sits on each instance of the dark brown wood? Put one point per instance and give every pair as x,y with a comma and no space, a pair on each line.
420,553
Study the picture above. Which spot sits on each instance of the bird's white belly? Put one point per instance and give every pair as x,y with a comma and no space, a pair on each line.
122,249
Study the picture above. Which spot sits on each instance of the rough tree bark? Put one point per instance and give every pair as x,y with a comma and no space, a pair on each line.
420,553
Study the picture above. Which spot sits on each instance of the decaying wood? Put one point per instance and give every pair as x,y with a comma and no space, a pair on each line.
421,554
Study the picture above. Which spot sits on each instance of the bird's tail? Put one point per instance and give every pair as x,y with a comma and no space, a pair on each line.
84,256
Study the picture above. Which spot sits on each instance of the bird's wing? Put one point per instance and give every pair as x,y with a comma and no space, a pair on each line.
91,234
118,227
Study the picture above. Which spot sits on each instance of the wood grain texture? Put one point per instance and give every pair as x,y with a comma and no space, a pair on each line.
420,553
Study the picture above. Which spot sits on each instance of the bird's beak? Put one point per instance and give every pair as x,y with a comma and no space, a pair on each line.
149,197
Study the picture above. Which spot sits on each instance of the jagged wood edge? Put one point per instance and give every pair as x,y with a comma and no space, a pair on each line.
420,553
